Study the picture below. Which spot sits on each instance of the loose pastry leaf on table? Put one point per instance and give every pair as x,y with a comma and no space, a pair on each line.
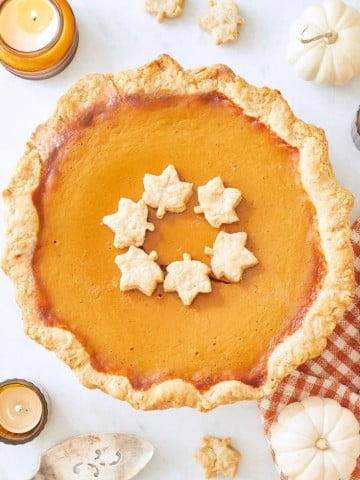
222,20
164,8
218,457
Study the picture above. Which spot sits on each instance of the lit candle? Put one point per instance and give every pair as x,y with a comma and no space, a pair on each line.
29,25
38,38
23,411
20,409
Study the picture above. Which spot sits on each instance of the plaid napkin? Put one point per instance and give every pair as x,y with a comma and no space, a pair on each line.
335,374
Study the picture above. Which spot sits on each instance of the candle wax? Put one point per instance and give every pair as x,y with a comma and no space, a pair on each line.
20,409
29,25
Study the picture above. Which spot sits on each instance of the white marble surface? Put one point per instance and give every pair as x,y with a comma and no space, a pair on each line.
115,35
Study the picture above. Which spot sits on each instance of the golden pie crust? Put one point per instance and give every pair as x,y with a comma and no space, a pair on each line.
331,204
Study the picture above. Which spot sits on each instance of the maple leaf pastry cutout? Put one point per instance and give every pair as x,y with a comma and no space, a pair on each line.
139,271
229,257
222,20
166,192
218,457
188,278
218,203
164,8
129,223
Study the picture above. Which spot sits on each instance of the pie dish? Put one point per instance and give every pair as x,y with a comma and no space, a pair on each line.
239,341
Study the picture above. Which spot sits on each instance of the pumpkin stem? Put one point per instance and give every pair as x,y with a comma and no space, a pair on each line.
322,444
329,37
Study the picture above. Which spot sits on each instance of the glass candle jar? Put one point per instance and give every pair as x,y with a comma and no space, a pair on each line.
355,129
38,38
23,411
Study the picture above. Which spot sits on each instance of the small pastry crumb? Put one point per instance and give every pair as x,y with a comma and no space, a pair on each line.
218,457
164,8
229,257
166,192
218,203
188,278
139,271
129,223
222,20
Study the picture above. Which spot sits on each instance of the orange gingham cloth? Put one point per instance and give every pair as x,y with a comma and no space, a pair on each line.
335,374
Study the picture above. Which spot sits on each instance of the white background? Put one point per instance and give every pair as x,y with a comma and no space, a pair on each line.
116,35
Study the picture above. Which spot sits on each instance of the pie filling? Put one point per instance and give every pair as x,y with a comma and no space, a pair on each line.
227,334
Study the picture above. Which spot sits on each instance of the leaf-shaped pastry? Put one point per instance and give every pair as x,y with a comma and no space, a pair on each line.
218,203
166,192
188,278
229,257
129,223
139,271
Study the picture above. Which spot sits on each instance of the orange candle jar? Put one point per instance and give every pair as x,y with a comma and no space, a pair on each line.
38,38
23,411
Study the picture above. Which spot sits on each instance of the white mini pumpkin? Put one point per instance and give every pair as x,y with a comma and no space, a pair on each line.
316,439
324,43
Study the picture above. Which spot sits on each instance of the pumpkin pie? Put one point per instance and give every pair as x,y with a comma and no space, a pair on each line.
234,343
